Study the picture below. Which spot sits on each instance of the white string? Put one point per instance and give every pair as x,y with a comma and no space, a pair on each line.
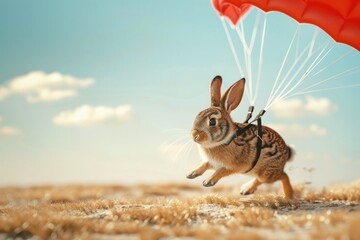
232,47
309,70
310,46
301,92
330,64
260,60
297,44
234,52
274,96
254,32
246,54
312,42
323,89
249,59
242,38
337,76
282,66
342,74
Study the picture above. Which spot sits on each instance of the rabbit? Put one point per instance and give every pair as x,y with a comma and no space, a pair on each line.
213,129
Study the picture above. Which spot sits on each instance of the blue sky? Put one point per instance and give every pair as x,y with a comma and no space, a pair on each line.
157,57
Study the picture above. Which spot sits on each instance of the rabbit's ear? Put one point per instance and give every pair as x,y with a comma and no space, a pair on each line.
232,97
215,91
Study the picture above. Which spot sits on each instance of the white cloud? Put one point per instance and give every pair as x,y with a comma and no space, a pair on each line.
87,115
294,108
10,131
298,130
4,92
39,86
50,95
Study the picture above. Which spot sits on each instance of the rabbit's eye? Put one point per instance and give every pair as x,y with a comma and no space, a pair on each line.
212,122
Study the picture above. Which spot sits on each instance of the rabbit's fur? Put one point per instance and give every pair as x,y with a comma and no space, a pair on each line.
213,129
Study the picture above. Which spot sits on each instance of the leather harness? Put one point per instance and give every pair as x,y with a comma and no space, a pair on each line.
242,130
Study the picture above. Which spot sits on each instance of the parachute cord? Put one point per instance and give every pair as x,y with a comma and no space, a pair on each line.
349,71
314,91
297,44
330,64
312,42
281,68
337,76
322,90
307,72
311,52
288,73
234,52
242,36
254,32
249,61
309,47
247,53
232,47
310,68
260,60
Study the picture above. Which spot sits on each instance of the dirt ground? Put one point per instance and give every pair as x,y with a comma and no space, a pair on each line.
177,211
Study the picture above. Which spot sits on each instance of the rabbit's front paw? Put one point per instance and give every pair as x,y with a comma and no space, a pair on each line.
209,183
193,174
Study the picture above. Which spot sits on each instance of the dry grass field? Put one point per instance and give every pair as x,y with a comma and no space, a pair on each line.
177,211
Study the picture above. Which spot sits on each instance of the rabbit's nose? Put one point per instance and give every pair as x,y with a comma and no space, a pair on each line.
195,135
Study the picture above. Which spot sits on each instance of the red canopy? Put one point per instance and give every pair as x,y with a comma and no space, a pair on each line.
339,18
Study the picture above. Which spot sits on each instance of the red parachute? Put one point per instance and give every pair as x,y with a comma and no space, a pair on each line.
339,18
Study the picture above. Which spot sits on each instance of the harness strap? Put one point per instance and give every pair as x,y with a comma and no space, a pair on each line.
239,132
259,135
249,115
258,145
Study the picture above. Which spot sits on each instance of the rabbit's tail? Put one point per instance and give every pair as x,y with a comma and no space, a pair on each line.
292,152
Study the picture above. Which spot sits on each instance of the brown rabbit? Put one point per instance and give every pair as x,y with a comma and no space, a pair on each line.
214,130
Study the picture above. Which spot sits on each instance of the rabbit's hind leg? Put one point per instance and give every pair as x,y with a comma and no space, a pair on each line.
286,185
